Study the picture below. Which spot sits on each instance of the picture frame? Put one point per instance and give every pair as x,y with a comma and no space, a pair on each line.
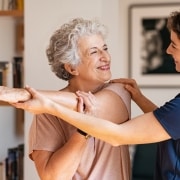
149,64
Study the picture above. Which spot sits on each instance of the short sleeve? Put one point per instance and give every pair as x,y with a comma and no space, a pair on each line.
119,89
169,117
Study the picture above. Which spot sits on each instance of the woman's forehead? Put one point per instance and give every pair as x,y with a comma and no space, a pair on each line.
90,41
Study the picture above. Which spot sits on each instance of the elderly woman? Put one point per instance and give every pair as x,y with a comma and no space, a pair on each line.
78,54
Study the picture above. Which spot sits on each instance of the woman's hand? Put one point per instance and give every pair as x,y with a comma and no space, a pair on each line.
13,95
87,103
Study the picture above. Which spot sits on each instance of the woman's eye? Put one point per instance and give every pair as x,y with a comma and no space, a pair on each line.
93,52
106,49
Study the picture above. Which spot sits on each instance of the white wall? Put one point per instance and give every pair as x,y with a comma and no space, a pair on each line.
43,17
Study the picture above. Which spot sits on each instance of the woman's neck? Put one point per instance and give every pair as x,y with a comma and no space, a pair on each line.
74,86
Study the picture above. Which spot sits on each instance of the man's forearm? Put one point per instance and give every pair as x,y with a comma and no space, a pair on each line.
145,104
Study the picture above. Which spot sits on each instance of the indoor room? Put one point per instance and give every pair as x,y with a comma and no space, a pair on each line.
26,28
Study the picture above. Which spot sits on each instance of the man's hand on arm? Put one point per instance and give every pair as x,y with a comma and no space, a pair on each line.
143,102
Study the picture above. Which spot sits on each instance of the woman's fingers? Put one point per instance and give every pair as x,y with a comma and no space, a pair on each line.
89,105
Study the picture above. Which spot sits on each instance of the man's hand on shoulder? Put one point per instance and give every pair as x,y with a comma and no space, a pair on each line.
131,86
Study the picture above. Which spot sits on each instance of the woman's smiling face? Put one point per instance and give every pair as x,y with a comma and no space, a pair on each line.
95,59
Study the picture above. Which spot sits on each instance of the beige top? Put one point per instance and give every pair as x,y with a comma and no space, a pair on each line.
100,160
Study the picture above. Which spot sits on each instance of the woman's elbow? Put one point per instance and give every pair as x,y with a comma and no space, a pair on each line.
55,177
115,142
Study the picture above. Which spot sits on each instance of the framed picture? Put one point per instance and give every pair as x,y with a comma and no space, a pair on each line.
149,38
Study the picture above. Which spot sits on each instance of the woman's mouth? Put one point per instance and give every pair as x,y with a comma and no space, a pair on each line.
105,67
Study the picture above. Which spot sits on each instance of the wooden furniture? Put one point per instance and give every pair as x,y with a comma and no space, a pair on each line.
12,13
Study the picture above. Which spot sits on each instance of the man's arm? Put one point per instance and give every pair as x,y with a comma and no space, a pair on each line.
139,130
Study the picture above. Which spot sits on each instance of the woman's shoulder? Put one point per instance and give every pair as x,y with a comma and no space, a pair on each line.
117,88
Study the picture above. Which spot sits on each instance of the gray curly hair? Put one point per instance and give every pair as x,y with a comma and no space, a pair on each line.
63,47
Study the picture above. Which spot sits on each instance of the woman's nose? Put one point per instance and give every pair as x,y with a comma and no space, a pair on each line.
105,56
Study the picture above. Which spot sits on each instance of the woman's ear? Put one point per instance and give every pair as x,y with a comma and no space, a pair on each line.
72,70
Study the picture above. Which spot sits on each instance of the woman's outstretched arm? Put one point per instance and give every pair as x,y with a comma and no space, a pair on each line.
14,95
